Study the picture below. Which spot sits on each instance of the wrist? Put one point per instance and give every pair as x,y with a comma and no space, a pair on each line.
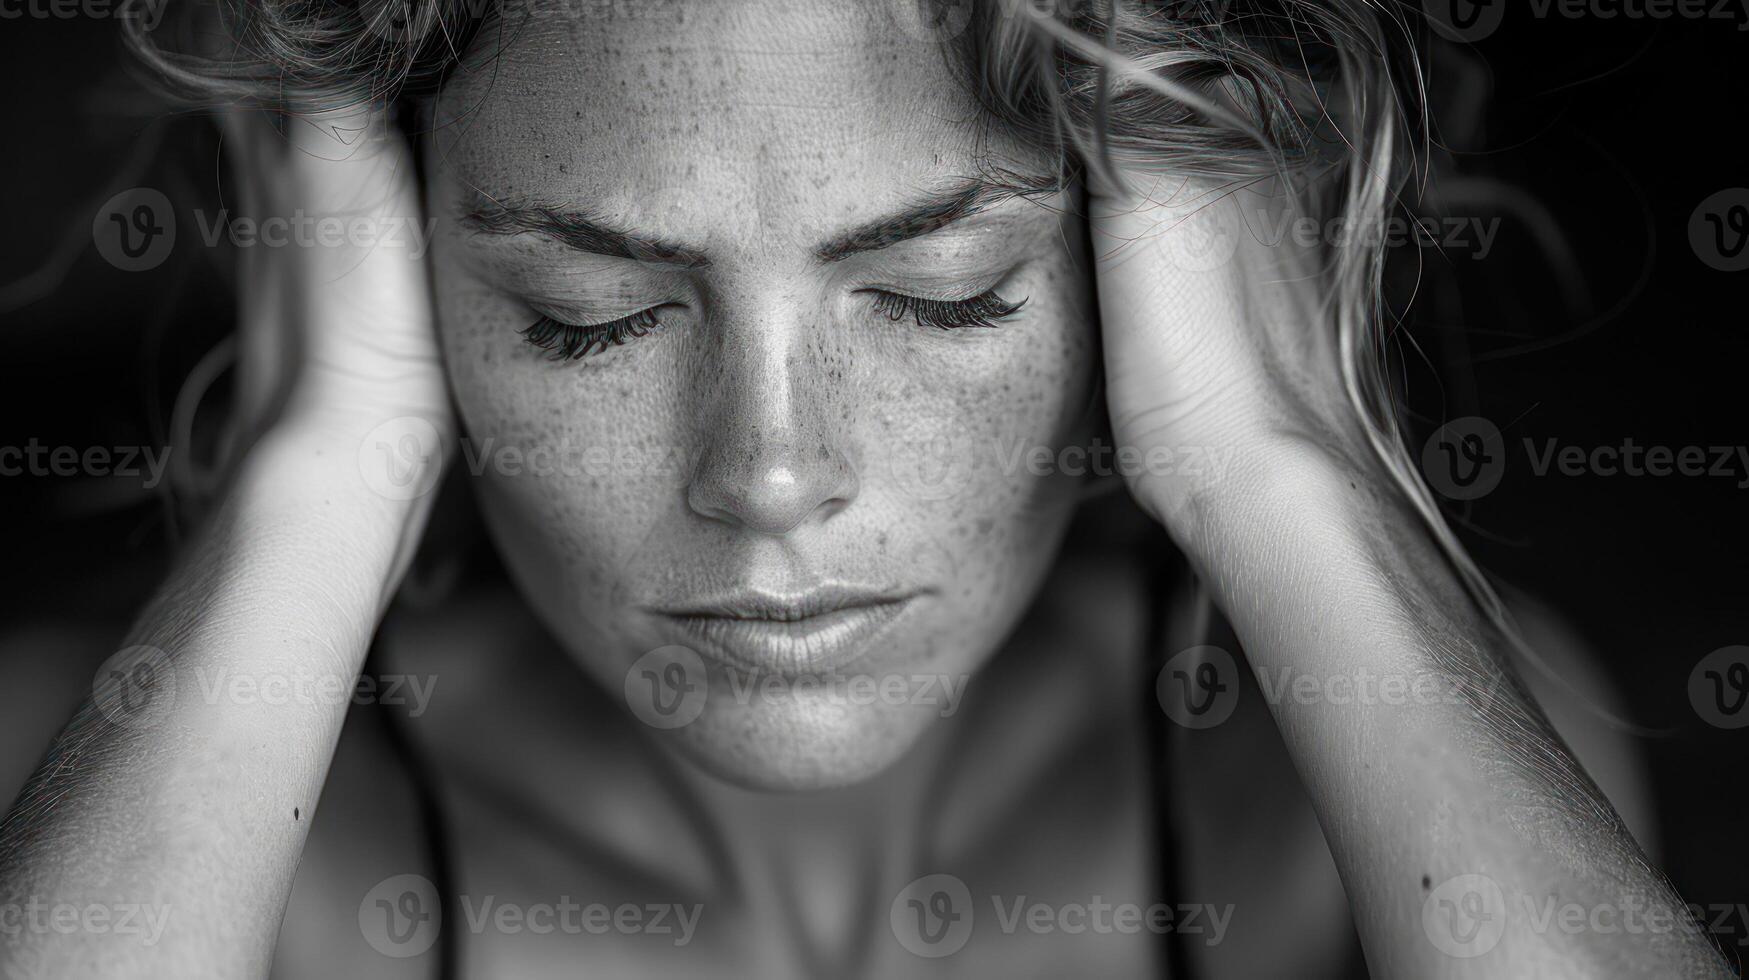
1268,492
341,510
1324,532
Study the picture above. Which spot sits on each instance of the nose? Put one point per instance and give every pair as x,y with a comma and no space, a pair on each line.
774,456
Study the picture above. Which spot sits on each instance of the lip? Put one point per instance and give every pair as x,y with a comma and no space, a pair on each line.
810,633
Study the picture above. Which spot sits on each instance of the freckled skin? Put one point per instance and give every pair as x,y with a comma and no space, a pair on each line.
783,407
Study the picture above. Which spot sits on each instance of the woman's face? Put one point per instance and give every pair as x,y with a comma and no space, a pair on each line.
802,501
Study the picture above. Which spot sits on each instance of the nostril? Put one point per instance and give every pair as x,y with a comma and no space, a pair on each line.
771,487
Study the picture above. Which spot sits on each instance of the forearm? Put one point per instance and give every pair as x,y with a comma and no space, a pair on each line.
1424,758
180,794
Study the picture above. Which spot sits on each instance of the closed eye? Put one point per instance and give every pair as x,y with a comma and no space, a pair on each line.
984,310
572,341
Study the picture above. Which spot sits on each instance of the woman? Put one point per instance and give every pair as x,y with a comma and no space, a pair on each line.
775,335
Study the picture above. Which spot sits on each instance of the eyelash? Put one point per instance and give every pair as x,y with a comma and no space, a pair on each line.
979,311
572,341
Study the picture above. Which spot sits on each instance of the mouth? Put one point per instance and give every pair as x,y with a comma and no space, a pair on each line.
816,632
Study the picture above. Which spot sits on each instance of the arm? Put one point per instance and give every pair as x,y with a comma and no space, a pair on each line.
179,796
1458,787
1470,841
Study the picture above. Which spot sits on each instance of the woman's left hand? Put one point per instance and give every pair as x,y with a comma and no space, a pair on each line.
1222,367
1441,789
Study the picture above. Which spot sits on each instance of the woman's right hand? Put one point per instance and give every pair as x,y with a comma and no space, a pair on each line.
337,349
182,792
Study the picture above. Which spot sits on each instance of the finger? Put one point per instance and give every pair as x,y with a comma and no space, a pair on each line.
1212,310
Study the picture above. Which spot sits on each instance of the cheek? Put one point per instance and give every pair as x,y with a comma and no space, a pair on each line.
1007,400
976,435
573,463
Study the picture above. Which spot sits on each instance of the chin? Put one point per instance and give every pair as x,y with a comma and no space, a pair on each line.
801,746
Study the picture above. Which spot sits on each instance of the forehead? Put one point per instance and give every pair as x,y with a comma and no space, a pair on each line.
809,112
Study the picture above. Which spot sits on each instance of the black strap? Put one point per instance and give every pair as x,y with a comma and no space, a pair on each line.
434,828
1167,577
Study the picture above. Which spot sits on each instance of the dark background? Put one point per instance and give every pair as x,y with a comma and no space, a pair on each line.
1602,134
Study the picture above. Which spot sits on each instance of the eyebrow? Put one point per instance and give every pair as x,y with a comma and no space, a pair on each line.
587,232
575,228
934,213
